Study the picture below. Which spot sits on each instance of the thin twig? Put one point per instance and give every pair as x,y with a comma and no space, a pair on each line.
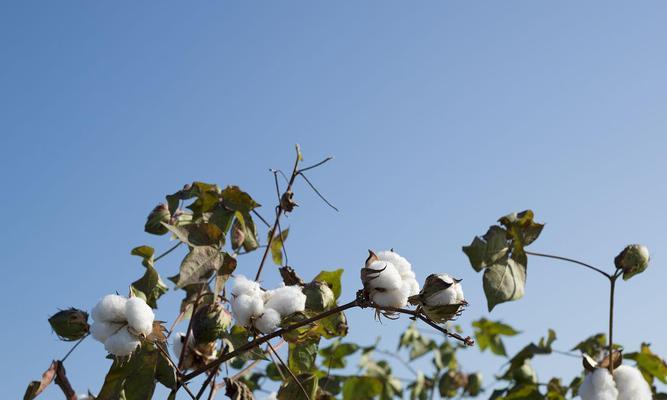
468,341
178,371
316,165
172,248
572,261
296,380
258,215
73,348
317,191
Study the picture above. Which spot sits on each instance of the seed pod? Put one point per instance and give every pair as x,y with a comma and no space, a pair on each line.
210,322
441,298
155,219
71,324
632,260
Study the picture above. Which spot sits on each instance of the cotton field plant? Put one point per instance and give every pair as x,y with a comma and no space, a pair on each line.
236,326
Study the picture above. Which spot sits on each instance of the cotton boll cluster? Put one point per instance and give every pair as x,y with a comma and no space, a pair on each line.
626,384
121,322
253,306
388,279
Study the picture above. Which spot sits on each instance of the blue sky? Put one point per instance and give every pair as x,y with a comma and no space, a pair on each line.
442,116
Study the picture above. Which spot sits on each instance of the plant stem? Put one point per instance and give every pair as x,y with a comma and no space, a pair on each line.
73,348
572,261
172,248
612,281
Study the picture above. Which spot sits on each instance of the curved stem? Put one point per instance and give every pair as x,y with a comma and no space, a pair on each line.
74,347
172,248
611,323
572,261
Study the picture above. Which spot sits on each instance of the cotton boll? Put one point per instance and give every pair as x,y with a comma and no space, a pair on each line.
437,296
245,307
631,384
409,287
102,330
243,285
139,316
110,309
459,292
384,275
269,321
177,342
121,343
390,298
286,300
598,385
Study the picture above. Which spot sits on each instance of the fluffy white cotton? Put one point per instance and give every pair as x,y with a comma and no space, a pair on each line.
110,309
598,385
390,298
102,330
243,285
286,300
631,384
245,307
139,316
177,342
451,295
402,265
387,278
269,321
121,343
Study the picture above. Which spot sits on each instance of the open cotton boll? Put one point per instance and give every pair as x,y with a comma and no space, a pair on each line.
409,287
121,343
598,385
269,321
110,309
441,297
631,384
245,307
390,298
177,342
384,275
102,330
243,285
139,316
286,300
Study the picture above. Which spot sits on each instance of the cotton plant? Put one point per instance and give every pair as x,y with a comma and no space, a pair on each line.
120,323
388,279
254,307
441,298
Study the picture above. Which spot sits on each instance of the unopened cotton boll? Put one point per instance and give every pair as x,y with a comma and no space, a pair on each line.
101,330
139,316
631,384
286,300
243,285
598,385
383,275
390,298
268,321
121,343
110,309
245,307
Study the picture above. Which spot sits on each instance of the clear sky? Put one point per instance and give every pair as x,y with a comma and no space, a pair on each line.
442,116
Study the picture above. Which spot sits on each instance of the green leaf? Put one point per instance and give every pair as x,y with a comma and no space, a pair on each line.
207,196
444,357
236,199
292,391
302,356
528,352
199,234
593,345
488,249
150,286
488,335
277,246
165,373
504,281
134,379
247,226
417,343
145,252
335,354
70,324
361,388
333,280
198,264
650,365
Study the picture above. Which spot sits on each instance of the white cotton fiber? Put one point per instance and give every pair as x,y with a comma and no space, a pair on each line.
245,307
631,384
139,316
286,300
121,343
451,295
390,298
177,342
102,330
402,265
243,285
387,278
598,385
110,309
269,321
410,287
